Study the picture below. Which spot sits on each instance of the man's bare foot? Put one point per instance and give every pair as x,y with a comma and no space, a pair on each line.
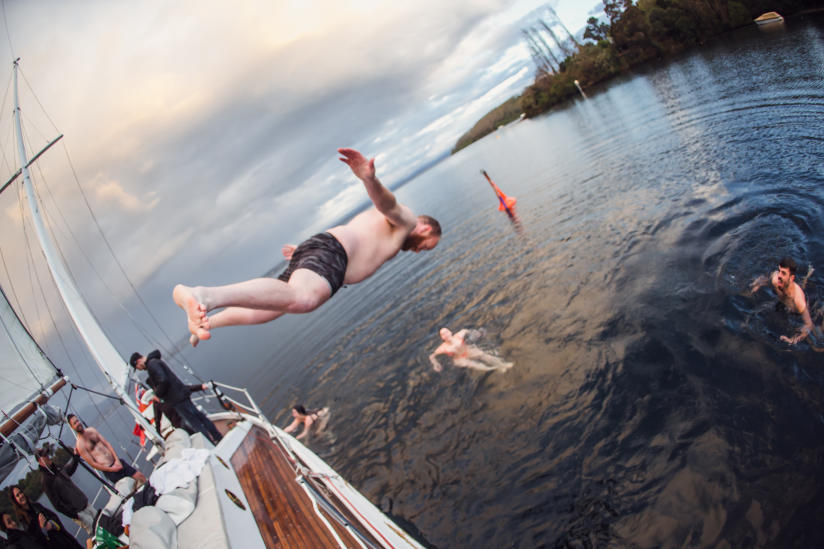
195,312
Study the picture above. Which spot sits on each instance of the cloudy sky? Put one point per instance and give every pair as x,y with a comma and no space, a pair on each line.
204,133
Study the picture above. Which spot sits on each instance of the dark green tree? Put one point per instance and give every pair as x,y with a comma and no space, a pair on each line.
596,31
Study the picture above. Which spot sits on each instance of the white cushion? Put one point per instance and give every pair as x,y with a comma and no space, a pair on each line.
125,486
180,502
175,444
151,528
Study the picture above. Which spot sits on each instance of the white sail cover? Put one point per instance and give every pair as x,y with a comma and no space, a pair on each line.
24,370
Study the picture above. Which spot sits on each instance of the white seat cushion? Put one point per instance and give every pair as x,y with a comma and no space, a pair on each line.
151,528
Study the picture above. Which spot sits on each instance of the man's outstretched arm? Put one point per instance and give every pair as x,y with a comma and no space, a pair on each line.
758,282
805,329
383,199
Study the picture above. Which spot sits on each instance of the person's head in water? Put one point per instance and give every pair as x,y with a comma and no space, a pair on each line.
445,333
786,272
425,235
298,411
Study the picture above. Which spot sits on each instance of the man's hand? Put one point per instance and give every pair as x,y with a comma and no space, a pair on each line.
362,168
288,250
757,283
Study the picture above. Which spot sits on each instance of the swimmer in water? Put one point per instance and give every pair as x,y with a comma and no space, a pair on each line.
464,355
312,420
790,294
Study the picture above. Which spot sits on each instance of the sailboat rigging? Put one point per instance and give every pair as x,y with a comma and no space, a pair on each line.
258,487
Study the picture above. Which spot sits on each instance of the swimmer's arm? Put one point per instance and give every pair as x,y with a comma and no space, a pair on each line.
443,349
292,426
804,331
397,214
758,282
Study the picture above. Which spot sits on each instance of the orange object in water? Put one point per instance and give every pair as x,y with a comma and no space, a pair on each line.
505,203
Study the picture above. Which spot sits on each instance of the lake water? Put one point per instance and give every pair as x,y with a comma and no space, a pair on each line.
651,402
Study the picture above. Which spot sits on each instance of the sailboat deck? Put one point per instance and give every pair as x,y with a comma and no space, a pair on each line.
283,510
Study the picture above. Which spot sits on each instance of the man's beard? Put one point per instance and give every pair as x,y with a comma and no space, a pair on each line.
412,241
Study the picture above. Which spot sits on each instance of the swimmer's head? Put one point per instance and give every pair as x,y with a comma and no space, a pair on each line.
786,271
299,409
425,235
788,263
445,333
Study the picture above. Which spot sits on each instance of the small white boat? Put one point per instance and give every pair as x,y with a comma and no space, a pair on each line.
769,18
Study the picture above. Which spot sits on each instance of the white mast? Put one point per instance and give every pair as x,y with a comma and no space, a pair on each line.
114,367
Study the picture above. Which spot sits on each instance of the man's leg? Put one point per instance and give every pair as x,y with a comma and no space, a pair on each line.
85,519
198,421
304,292
495,361
467,363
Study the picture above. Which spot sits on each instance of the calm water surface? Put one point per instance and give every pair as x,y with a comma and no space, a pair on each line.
651,403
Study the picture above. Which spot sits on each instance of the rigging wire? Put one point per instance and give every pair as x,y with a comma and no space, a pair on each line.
168,350
8,35
61,339
29,258
30,263
13,291
53,226
5,96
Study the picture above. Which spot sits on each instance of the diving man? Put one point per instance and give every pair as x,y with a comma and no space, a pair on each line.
318,267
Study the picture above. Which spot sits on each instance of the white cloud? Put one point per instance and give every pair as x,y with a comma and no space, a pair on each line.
110,193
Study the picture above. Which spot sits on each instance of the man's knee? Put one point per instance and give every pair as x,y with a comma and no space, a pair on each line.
305,304
309,299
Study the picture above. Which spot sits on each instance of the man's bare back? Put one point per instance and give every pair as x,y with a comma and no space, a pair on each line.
345,254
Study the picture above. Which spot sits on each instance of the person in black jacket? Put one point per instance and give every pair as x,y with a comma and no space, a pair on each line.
64,494
41,523
18,538
173,392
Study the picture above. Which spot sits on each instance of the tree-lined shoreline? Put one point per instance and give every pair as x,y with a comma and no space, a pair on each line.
635,33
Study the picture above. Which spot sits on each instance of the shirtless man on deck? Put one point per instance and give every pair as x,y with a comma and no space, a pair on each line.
98,453
318,267
790,294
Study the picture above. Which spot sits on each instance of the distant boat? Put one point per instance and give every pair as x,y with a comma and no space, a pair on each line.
768,18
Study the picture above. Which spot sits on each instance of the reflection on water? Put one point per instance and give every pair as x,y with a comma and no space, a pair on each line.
652,403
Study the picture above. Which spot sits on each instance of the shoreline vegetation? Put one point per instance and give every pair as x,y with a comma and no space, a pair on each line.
634,34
